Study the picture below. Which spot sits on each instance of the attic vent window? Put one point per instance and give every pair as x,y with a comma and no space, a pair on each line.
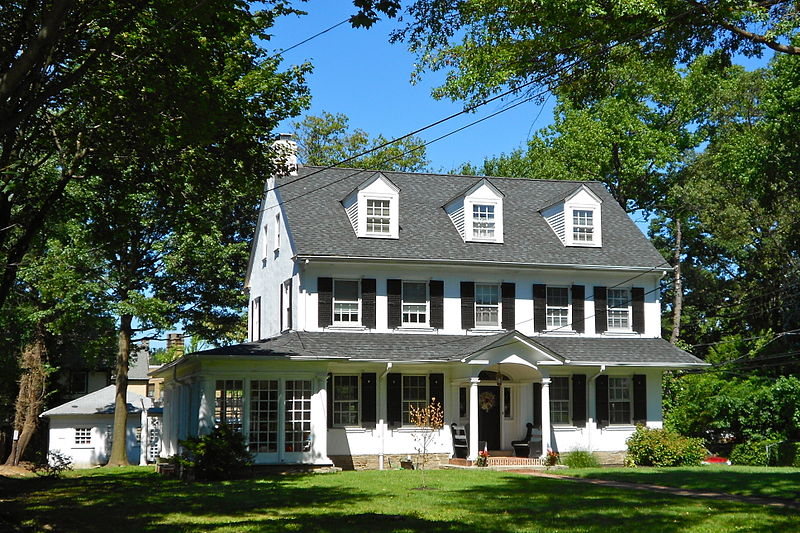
583,225
378,216
483,225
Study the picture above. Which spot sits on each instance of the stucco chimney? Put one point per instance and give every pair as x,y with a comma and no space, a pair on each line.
286,153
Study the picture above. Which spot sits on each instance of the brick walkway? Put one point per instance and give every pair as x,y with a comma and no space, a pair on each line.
755,500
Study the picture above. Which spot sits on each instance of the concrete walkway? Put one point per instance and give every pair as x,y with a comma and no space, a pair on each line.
755,500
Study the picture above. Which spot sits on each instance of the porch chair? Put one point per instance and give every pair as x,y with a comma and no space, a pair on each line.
460,443
530,445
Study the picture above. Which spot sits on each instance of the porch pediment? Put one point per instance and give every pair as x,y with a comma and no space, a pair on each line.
517,349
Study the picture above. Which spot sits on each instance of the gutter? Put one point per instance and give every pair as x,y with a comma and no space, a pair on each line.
509,264
382,454
591,431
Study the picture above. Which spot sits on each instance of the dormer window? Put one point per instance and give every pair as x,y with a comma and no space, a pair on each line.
483,221
583,225
378,217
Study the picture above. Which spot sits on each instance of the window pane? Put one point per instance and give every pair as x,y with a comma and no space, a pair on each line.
487,294
415,393
228,400
297,411
483,221
345,400
557,306
263,416
619,400
618,310
378,216
582,225
559,400
415,292
557,296
506,402
346,290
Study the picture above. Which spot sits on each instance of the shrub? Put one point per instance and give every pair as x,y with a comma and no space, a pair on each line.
788,454
220,455
754,453
53,464
580,459
661,447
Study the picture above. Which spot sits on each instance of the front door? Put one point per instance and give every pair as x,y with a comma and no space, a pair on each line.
489,415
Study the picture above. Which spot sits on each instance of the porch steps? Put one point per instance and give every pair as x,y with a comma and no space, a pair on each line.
501,461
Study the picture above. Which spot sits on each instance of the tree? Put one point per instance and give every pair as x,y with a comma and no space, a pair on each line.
327,140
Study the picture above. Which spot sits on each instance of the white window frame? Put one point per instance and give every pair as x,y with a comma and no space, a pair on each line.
613,312
484,220
568,401
568,308
286,309
337,403
583,225
255,319
277,245
83,436
357,301
615,396
570,211
383,220
427,306
405,402
498,306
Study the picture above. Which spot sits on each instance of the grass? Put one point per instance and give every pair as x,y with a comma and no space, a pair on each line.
480,501
766,482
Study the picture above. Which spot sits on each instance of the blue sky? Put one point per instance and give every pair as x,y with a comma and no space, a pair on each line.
359,73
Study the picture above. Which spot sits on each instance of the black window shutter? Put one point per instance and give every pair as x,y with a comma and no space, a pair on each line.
537,405
368,303
601,400
539,307
394,400
508,293
368,405
394,296
639,399
437,388
637,297
600,311
436,289
289,308
467,305
330,400
579,400
324,302
578,295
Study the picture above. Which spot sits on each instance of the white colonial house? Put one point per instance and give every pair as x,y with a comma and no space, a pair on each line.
510,301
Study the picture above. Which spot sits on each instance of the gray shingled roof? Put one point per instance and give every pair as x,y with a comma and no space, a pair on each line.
99,402
425,347
319,225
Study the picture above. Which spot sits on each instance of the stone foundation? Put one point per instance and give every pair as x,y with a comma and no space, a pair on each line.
390,461
611,458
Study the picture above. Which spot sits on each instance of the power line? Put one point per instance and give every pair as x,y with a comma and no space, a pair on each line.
304,41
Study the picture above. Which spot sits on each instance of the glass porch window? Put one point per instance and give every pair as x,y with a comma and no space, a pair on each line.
228,400
263,436
297,412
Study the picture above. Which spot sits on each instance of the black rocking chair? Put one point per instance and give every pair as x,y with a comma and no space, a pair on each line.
530,445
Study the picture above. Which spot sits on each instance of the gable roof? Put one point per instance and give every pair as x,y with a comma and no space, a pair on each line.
394,347
99,402
320,226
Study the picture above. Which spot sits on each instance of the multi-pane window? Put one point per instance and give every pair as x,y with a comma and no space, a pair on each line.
83,436
228,402
263,437
415,303
378,216
415,394
345,301
483,223
345,400
557,307
619,400
582,225
78,382
618,309
487,305
507,405
462,402
297,411
559,400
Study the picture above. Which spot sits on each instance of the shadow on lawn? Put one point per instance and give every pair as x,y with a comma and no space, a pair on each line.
531,503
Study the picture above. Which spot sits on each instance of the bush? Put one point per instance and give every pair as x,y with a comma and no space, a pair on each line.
788,454
219,455
580,459
52,465
754,453
661,447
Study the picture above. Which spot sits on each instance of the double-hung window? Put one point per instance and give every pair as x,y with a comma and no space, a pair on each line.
346,302
619,311
583,225
487,305
378,217
415,394
345,400
83,436
559,400
557,307
619,400
483,223
415,303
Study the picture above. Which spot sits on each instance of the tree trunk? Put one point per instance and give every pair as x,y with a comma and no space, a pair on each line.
677,306
30,399
119,453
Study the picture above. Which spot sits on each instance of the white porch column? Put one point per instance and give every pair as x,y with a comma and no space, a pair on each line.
545,415
144,441
168,444
319,421
205,410
473,419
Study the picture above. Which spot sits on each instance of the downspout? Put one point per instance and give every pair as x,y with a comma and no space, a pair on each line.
592,429
383,423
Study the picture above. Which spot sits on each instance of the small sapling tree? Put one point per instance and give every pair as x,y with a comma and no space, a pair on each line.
428,420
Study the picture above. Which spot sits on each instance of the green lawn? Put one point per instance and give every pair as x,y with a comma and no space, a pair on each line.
480,501
775,482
